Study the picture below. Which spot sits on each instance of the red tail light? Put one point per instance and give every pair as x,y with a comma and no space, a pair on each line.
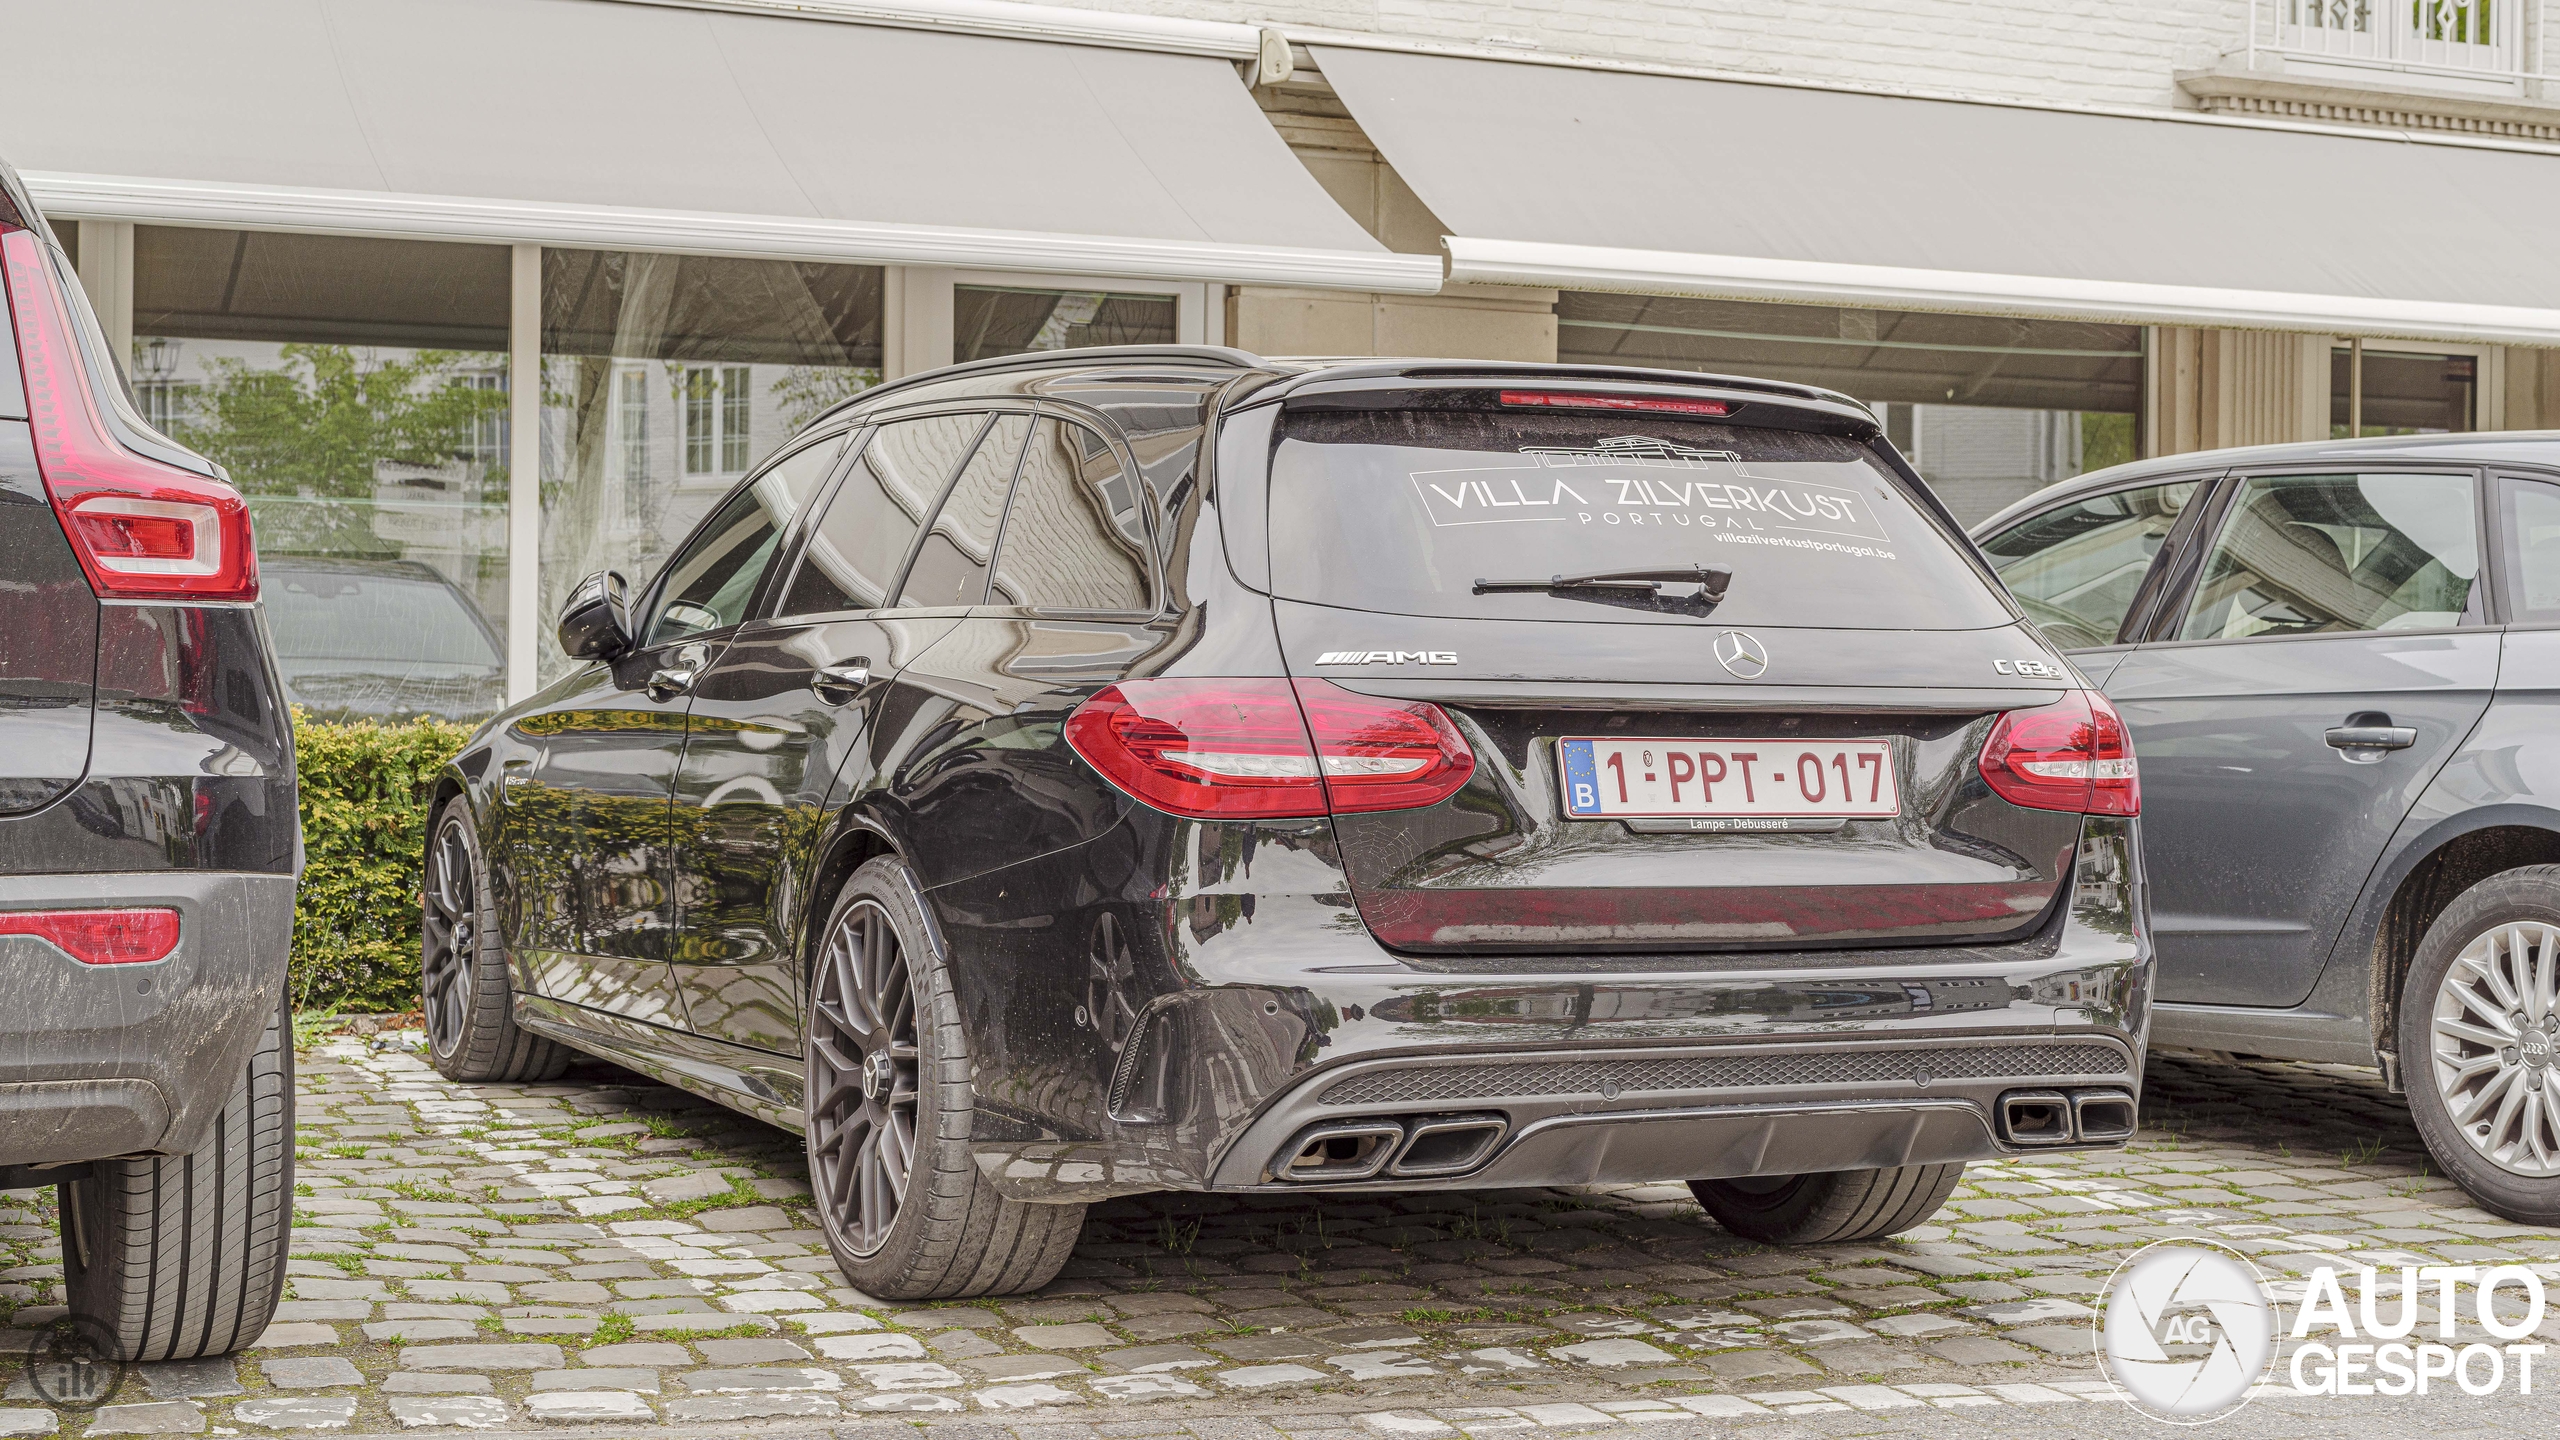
1268,749
142,529
100,937
2071,755
1383,754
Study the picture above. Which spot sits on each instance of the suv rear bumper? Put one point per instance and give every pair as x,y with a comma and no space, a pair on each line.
105,1060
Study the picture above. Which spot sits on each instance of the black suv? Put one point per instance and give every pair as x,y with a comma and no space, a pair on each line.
1129,770
148,844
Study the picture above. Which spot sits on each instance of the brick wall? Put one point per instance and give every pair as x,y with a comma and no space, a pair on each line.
2072,52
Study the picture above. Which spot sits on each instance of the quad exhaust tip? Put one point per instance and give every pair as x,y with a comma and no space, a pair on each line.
2102,1114
2080,1117
1418,1147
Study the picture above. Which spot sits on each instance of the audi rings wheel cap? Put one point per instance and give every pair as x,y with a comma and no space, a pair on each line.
2491,1043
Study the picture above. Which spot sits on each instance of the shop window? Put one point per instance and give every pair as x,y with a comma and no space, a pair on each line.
1988,410
665,378
356,390
993,320
2404,394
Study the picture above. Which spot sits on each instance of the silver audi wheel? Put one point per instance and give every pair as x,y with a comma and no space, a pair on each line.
2493,1038
862,1077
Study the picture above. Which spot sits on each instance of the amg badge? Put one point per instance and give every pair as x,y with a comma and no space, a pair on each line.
1388,657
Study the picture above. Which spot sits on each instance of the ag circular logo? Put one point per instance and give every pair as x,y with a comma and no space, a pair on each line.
75,1363
1741,654
2185,1330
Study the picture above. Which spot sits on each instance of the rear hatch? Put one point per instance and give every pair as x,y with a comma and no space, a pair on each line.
1659,770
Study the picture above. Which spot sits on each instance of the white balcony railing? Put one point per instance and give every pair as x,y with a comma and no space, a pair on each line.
2478,40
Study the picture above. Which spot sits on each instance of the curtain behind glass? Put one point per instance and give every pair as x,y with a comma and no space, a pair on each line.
667,378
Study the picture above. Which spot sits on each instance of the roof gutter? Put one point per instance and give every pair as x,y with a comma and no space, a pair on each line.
1474,260
233,205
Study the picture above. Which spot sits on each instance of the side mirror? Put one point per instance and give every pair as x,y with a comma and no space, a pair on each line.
596,623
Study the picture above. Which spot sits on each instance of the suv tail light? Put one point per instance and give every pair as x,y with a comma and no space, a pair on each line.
1268,749
142,529
2071,755
100,937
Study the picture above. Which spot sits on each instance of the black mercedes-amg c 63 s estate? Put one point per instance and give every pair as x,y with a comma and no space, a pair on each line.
1126,770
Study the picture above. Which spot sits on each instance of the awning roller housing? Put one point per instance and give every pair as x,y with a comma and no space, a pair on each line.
578,122
1550,175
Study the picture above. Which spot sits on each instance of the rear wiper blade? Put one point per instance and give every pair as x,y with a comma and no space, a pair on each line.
1711,580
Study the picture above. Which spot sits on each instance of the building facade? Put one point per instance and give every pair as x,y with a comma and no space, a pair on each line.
475,298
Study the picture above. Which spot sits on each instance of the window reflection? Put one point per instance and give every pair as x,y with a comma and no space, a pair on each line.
2324,554
665,379
356,390
2075,568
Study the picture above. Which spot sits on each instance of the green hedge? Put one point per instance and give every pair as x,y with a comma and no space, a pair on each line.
364,830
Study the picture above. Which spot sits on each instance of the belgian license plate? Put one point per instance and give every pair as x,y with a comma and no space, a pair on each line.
1741,779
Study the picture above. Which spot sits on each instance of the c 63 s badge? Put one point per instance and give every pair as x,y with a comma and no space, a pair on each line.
2039,669
1388,657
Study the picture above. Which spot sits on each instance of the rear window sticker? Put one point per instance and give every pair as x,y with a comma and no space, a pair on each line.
1633,479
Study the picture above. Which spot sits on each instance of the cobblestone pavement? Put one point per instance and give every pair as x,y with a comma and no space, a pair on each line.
606,1254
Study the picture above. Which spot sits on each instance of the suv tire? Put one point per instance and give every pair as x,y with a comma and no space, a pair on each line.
464,981
2494,949
172,1257
889,1112
1830,1207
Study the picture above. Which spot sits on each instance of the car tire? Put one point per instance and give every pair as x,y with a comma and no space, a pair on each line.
2501,931
889,1106
465,985
172,1257
1830,1207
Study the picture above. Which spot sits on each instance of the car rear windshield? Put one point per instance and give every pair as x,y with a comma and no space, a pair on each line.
1405,511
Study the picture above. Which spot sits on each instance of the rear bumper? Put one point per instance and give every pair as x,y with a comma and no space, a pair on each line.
105,1060
1285,1019
1585,1117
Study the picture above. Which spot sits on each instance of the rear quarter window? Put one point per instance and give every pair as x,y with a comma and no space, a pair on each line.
1403,511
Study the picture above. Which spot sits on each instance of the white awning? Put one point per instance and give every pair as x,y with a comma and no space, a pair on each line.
1590,179
584,122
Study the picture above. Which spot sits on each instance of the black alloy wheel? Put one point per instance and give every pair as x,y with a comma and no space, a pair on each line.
464,981
452,934
863,1077
890,1109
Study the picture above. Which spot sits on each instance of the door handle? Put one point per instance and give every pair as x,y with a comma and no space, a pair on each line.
2372,737
667,683
839,684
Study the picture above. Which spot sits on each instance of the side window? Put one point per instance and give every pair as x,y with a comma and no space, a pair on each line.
2335,554
1073,539
2533,551
711,581
855,549
2075,568
951,564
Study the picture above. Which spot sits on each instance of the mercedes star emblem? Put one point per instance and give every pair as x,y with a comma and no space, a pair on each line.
1741,654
